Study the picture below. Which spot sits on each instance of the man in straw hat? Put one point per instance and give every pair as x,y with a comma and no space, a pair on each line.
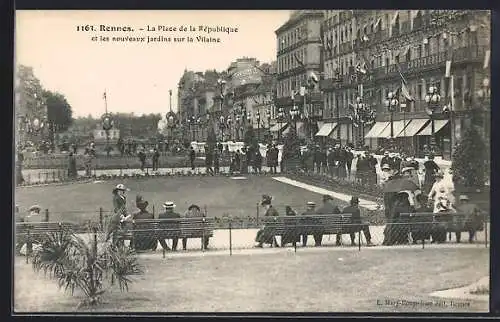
263,235
473,217
169,224
34,214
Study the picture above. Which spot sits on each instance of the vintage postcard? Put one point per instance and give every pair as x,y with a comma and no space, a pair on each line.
252,161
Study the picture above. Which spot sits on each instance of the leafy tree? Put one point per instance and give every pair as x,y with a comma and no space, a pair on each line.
29,93
58,110
90,266
470,164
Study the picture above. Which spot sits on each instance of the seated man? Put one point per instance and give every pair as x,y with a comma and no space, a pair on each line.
169,214
310,211
328,208
356,218
143,241
474,217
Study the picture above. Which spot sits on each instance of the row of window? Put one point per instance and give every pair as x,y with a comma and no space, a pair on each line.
432,46
417,88
286,86
292,36
288,61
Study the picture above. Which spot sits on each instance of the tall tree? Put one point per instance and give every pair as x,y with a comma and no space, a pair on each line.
29,93
470,163
58,110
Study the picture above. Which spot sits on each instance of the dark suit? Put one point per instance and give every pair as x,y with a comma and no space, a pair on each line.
140,240
169,225
356,219
308,212
263,235
326,209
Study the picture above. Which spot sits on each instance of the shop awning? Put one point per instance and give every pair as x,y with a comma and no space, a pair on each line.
398,127
412,127
376,129
438,125
326,129
277,127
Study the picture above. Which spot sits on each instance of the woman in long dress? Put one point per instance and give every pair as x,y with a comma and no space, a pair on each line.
119,212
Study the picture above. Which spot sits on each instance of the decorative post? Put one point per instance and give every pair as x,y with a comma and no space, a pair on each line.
432,99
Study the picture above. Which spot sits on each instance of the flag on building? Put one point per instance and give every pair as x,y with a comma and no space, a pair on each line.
361,68
404,86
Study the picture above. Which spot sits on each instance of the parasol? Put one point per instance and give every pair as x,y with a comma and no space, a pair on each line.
398,185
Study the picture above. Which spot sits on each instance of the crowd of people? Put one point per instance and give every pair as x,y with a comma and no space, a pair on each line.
122,219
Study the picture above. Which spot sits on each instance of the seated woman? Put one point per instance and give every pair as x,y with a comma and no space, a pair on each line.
194,211
143,241
264,236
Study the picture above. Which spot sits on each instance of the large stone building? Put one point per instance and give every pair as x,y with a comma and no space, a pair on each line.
414,45
298,58
228,101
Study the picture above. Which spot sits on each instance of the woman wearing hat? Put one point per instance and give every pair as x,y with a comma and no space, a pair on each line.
263,236
143,241
34,214
119,212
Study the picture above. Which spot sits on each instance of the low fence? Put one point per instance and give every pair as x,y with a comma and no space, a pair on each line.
114,161
230,233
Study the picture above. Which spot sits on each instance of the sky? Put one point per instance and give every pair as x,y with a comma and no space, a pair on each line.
136,76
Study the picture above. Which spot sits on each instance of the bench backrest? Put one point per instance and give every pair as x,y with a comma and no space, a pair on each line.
333,223
174,228
32,227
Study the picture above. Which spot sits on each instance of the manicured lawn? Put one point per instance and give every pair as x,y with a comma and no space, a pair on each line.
280,281
221,195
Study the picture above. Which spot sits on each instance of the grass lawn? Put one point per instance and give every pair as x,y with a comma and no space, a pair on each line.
281,281
221,195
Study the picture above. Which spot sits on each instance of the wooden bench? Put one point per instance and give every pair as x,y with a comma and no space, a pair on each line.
289,226
197,227
422,224
39,231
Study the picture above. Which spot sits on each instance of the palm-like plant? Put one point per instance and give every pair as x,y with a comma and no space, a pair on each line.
78,264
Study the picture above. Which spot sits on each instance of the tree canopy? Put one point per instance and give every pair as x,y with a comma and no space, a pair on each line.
58,110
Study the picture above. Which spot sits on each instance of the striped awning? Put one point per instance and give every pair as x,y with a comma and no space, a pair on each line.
412,127
438,125
326,129
376,129
398,126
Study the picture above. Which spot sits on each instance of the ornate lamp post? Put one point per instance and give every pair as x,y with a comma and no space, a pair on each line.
257,116
191,124
222,125
432,99
268,116
391,103
294,116
221,83
281,116
237,124
362,115
229,122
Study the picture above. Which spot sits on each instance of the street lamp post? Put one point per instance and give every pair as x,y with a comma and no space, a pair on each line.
257,116
222,124
294,114
237,123
390,103
229,122
268,116
432,99
281,115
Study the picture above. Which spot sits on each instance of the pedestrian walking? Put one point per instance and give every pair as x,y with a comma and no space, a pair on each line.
192,157
155,159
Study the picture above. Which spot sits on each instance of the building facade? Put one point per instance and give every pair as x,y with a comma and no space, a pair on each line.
369,53
299,56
